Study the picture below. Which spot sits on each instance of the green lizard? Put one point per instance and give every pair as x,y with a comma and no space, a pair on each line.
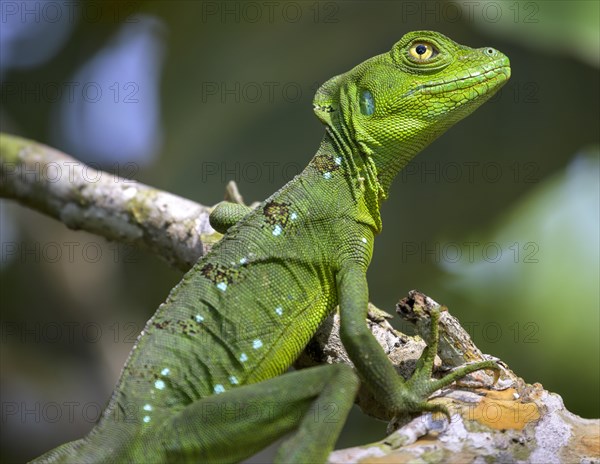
203,382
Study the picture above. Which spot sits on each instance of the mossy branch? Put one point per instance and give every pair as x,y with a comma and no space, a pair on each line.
113,207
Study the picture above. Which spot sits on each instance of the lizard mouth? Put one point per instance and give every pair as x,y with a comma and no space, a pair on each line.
489,78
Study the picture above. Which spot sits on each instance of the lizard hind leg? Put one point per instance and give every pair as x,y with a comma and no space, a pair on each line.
310,405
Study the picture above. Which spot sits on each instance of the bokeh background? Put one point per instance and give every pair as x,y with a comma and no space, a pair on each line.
498,219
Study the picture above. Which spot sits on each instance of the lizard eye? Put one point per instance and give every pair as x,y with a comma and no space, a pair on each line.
422,51
367,103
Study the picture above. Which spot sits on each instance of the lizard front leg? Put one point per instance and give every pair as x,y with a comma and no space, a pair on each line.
375,370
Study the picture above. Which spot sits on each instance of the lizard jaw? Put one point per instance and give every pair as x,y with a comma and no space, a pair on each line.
490,78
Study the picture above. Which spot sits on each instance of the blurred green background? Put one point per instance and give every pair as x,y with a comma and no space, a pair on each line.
498,219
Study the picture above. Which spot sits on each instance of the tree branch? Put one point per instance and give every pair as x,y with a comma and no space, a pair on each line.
114,207
510,421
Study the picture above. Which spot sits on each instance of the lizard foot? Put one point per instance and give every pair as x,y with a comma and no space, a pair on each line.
420,385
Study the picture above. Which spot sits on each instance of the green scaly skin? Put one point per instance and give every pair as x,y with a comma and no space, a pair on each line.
204,383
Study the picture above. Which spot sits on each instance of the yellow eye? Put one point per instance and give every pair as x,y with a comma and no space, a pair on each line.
422,51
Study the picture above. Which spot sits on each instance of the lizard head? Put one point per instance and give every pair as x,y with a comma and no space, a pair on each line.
393,105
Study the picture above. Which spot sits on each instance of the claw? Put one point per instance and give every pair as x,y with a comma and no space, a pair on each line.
436,407
497,371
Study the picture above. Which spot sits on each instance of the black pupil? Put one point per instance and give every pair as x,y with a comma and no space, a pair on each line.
421,49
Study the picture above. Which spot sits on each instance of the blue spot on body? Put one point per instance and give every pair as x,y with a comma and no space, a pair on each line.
219,389
222,286
279,310
159,385
256,344
233,380
147,407
338,160
367,103
198,318
165,371
327,175
277,230
243,357
146,419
